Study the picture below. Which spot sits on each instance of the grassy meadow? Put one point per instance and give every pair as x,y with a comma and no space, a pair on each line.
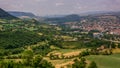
111,61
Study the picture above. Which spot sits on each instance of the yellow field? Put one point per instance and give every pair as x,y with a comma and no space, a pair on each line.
117,50
64,62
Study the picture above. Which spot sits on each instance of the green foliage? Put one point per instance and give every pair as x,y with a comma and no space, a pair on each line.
39,62
84,53
15,39
97,43
42,49
46,64
29,57
92,65
79,63
72,44
57,43
36,61
11,51
11,64
14,42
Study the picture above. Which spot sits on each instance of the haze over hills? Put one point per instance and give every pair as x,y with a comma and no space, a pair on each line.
97,13
6,15
22,14
67,18
58,18
77,17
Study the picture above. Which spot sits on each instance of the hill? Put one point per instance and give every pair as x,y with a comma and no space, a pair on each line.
90,17
22,14
67,18
6,15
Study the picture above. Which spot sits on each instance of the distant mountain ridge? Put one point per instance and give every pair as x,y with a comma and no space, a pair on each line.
6,15
22,14
78,17
95,13
67,18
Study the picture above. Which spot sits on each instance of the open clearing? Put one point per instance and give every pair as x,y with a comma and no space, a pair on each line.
111,61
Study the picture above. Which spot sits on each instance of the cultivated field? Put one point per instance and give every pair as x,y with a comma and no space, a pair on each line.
64,62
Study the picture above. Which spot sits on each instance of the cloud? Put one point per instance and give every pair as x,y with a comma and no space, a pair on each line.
40,0
46,7
59,4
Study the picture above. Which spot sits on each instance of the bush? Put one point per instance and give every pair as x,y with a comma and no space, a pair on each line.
79,64
92,65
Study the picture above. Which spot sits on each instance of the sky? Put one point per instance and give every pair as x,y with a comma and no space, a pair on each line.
59,7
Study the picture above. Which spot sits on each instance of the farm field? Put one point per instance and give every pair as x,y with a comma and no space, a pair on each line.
102,61
58,63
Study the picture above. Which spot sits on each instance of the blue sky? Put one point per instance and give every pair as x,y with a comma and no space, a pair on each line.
52,7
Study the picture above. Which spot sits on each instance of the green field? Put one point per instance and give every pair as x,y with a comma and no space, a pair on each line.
111,61
72,44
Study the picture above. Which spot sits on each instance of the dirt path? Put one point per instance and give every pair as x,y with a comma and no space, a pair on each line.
72,53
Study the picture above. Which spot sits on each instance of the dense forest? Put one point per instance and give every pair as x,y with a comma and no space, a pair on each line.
16,39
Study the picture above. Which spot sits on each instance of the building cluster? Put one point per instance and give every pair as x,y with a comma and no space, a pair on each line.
108,24
110,28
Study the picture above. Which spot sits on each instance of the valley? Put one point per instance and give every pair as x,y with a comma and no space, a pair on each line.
72,41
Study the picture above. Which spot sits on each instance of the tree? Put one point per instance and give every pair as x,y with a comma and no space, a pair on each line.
84,53
36,61
79,64
39,62
10,64
46,64
29,57
51,56
92,65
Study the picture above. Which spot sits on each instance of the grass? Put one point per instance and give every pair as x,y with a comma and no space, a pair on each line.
72,44
31,28
111,61
69,50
